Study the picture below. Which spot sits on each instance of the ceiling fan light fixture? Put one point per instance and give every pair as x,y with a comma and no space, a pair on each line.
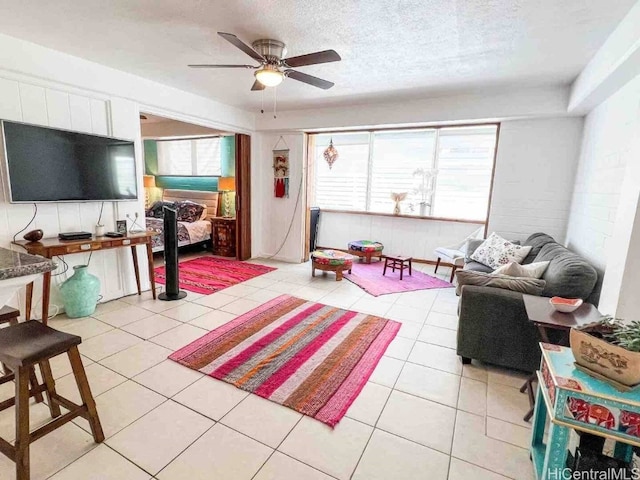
269,76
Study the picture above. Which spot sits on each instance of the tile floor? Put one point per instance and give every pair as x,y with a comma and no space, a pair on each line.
422,415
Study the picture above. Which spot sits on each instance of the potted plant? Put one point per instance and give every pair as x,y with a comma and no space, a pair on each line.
609,350
397,198
423,188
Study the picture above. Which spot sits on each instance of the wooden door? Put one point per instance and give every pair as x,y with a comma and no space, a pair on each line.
243,196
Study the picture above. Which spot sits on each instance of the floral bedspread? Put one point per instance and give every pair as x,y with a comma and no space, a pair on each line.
157,241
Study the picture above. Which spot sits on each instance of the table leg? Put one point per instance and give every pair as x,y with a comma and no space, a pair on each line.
152,276
46,294
623,451
134,254
401,269
409,267
27,302
555,458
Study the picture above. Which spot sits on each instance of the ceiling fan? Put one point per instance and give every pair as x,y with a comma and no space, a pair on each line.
273,67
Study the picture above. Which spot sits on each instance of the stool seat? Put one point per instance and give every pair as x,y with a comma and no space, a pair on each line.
365,246
332,257
30,342
8,313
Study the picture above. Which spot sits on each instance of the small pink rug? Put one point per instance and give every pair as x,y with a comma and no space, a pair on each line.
210,274
369,278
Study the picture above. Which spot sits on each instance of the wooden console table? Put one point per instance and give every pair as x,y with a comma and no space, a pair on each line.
51,247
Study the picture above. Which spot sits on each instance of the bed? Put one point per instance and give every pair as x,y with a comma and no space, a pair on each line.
189,233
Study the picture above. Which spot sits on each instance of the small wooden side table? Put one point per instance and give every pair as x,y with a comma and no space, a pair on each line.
395,261
223,236
574,400
546,318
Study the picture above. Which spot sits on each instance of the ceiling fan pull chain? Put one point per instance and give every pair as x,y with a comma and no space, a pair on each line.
262,97
275,100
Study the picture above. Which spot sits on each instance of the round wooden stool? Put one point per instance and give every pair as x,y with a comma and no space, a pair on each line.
366,249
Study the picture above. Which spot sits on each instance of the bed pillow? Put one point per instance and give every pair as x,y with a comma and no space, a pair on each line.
495,251
189,211
531,270
532,286
157,209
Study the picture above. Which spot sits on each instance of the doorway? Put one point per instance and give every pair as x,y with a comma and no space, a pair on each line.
186,162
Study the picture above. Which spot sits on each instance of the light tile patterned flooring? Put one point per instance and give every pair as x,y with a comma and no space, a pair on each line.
421,415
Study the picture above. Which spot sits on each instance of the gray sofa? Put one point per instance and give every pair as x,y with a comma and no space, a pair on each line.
493,325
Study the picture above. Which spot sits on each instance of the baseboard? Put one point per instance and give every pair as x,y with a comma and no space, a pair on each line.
417,260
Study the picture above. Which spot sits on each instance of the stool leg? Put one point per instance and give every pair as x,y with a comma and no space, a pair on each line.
85,393
437,265
22,424
384,270
33,380
410,267
54,407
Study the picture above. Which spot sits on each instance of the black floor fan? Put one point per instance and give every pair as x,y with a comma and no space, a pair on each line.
172,282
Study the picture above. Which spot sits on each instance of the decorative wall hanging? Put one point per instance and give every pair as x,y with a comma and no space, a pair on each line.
281,170
331,154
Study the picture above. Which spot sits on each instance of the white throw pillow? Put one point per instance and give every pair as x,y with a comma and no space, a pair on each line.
495,251
532,270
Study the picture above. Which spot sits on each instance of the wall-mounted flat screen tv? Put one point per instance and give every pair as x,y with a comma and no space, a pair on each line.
51,165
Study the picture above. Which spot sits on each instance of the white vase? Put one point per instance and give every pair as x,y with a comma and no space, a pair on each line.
423,209
396,210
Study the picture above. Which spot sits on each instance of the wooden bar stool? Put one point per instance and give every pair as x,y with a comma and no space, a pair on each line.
10,315
22,346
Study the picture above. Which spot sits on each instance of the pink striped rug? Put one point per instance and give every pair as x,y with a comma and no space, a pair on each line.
210,274
310,357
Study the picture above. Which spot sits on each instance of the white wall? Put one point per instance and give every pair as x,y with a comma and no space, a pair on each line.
607,145
535,168
482,105
279,215
45,87
604,224
399,235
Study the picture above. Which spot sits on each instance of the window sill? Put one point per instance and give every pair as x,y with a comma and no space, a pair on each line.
416,217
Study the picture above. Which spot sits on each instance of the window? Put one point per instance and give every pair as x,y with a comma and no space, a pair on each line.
445,172
189,157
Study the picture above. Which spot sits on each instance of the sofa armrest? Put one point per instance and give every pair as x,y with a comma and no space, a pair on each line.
494,328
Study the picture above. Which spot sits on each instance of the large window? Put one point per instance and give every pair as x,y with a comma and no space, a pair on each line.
444,172
190,157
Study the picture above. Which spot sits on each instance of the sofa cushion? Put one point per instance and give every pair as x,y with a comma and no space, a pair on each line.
531,270
536,241
532,286
496,251
568,275
477,267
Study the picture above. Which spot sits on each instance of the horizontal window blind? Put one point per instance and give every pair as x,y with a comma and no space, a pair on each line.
445,172
190,157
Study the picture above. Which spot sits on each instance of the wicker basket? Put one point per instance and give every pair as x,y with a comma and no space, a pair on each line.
611,363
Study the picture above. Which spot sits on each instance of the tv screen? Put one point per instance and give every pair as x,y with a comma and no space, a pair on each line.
50,165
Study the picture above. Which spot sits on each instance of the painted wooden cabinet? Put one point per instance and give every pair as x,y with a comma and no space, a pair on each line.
224,236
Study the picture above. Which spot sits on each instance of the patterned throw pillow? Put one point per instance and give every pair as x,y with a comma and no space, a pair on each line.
157,209
495,251
189,211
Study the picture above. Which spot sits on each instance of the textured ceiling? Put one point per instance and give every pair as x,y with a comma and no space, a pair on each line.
390,49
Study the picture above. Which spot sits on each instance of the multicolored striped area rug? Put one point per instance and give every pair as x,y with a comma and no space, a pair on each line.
310,357
210,274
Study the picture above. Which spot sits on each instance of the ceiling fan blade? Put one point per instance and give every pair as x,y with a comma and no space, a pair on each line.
236,42
325,56
257,86
206,65
310,79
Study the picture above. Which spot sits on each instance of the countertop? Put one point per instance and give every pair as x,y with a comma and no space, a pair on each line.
17,264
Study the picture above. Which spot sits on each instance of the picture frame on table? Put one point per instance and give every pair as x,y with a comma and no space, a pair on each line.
121,226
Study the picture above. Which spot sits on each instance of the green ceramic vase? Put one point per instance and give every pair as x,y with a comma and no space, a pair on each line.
80,293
